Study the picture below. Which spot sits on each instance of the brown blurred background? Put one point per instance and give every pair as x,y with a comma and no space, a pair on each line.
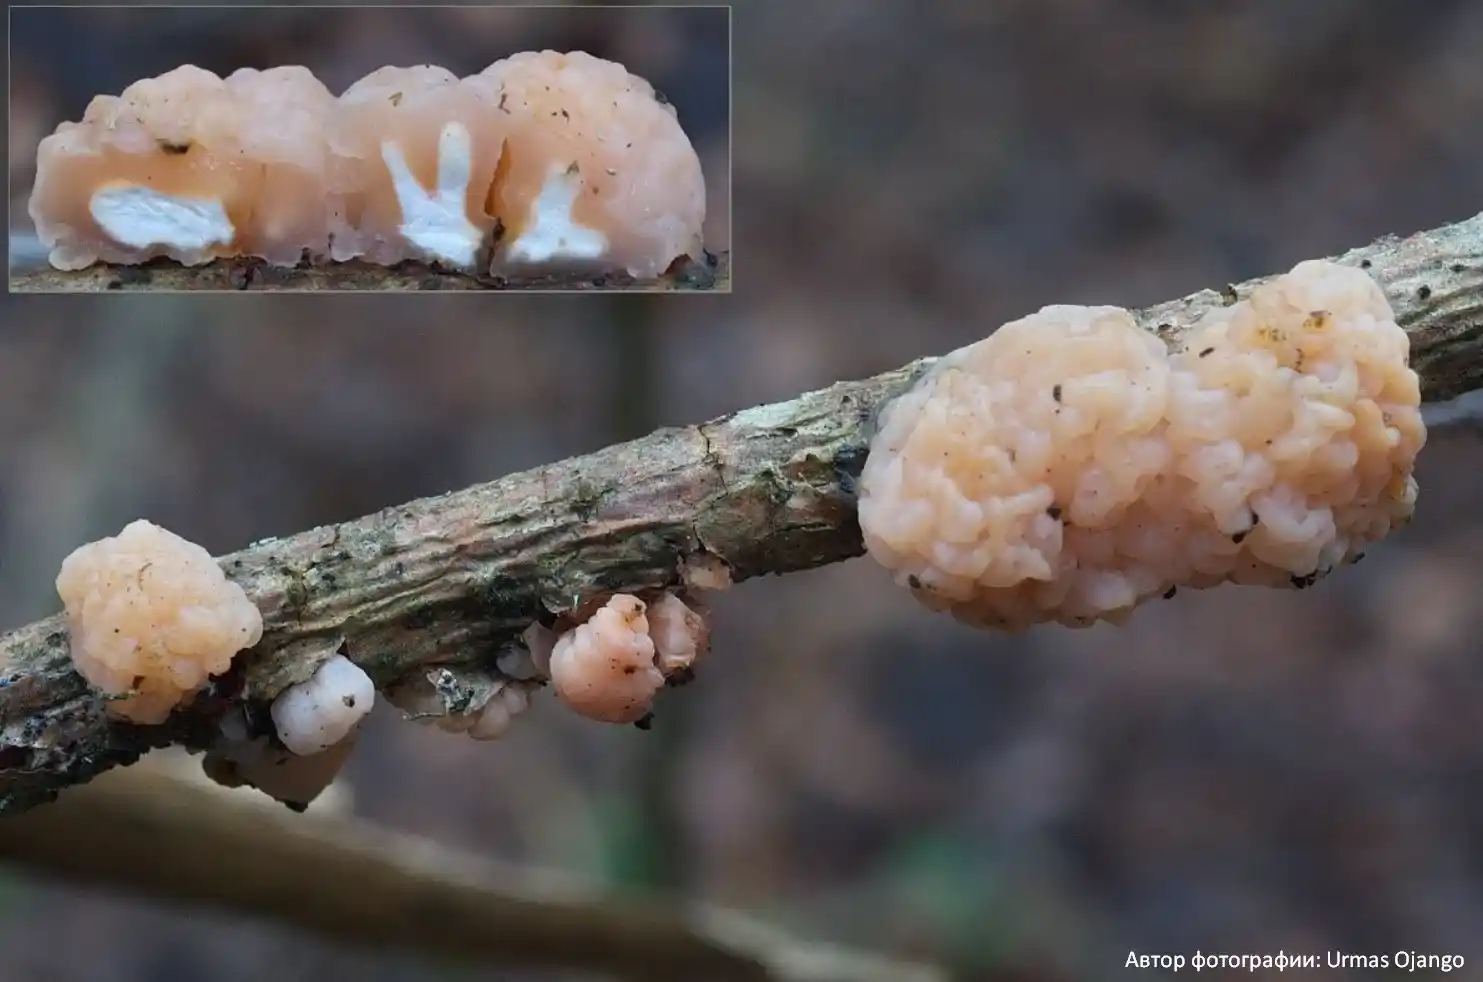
1237,771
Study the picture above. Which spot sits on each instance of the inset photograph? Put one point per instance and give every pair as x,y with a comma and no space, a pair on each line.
370,148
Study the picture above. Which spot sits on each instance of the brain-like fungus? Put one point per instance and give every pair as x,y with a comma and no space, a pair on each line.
610,667
542,159
1070,467
151,617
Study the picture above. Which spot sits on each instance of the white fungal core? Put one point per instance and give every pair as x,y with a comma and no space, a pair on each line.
437,221
551,232
152,617
315,715
141,217
1069,466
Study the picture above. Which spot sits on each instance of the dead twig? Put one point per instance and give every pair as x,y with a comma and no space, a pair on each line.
446,580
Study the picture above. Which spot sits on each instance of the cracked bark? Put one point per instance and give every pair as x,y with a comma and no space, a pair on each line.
447,580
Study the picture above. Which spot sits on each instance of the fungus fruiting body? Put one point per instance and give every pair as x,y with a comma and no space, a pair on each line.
1070,466
484,707
542,159
704,571
610,667
539,642
240,760
190,166
317,714
596,167
680,633
151,617
404,147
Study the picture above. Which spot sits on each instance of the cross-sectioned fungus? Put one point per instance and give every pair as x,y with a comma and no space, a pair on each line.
189,166
543,159
151,617
313,716
1069,466
596,168
610,667
405,145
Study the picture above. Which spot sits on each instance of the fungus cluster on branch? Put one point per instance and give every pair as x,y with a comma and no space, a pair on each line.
1070,466
1067,468
606,662
542,159
152,617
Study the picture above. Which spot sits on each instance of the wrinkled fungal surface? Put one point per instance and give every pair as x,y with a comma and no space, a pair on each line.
611,666
151,617
1070,467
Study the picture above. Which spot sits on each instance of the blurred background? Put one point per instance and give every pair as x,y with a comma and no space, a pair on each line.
1238,770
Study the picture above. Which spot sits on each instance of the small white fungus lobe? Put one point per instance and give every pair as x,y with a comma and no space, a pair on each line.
611,667
151,618
313,716
1069,467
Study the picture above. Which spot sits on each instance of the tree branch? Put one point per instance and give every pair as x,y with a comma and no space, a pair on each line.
446,580
152,832
162,275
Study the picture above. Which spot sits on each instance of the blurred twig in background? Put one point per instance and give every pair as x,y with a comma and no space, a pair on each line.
156,832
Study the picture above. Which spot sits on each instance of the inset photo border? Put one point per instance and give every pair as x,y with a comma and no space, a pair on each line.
382,148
